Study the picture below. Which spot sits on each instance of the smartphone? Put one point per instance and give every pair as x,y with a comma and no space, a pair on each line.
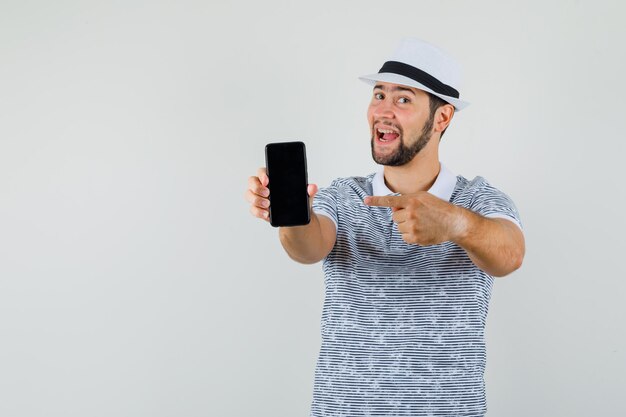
286,169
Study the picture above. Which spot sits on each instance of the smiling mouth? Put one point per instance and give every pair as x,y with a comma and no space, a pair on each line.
386,135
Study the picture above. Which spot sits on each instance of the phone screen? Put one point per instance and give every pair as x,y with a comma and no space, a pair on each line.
286,169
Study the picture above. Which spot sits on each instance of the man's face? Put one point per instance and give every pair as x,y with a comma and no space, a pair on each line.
400,123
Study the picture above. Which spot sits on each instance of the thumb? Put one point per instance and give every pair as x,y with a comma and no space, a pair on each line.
311,189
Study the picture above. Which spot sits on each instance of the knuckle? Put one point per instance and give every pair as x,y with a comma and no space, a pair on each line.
257,212
249,196
253,181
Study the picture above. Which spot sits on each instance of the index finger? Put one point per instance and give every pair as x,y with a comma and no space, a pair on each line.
393,201
262,174
255,185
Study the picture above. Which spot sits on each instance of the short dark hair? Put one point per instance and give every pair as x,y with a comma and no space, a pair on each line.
435,103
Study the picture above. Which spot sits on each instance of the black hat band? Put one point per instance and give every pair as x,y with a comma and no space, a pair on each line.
420,76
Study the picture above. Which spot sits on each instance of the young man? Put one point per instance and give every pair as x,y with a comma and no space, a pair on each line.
409,254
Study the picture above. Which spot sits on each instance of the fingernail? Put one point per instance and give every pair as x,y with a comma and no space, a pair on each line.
265,192
265,203
266,214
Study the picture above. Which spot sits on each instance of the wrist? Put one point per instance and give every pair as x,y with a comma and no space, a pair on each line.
301,228
461,225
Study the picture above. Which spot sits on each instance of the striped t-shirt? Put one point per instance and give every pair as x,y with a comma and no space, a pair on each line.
402,324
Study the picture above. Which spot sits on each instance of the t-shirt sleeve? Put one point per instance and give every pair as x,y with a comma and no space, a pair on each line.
491,202
325,202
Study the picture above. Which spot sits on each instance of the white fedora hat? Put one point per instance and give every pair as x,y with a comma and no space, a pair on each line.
418,64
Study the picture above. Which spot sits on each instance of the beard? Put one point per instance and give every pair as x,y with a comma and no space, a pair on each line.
404,154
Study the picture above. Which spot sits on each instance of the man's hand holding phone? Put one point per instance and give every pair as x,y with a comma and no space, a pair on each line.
282,202
258,193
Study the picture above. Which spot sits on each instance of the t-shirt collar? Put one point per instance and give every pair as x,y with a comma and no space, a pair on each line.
443,186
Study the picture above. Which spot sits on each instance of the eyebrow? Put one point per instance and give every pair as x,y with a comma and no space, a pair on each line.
395,88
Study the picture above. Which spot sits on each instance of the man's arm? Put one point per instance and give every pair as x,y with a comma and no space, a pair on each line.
310,243
495,245
306,244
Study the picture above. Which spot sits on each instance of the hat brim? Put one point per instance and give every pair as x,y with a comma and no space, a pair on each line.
389,77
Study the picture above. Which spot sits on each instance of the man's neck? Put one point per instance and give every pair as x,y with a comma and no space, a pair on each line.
417,175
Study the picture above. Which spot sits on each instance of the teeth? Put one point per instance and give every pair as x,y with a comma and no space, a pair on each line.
385,131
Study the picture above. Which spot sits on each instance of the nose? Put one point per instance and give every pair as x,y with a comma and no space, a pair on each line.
383,110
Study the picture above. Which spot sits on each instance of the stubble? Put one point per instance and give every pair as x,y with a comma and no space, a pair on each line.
404,154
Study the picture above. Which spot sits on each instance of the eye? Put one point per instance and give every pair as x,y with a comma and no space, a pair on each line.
378,96
403,100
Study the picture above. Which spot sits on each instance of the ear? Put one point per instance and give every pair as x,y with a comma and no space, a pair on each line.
443,117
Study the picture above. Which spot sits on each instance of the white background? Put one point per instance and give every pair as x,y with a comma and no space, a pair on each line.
134,282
